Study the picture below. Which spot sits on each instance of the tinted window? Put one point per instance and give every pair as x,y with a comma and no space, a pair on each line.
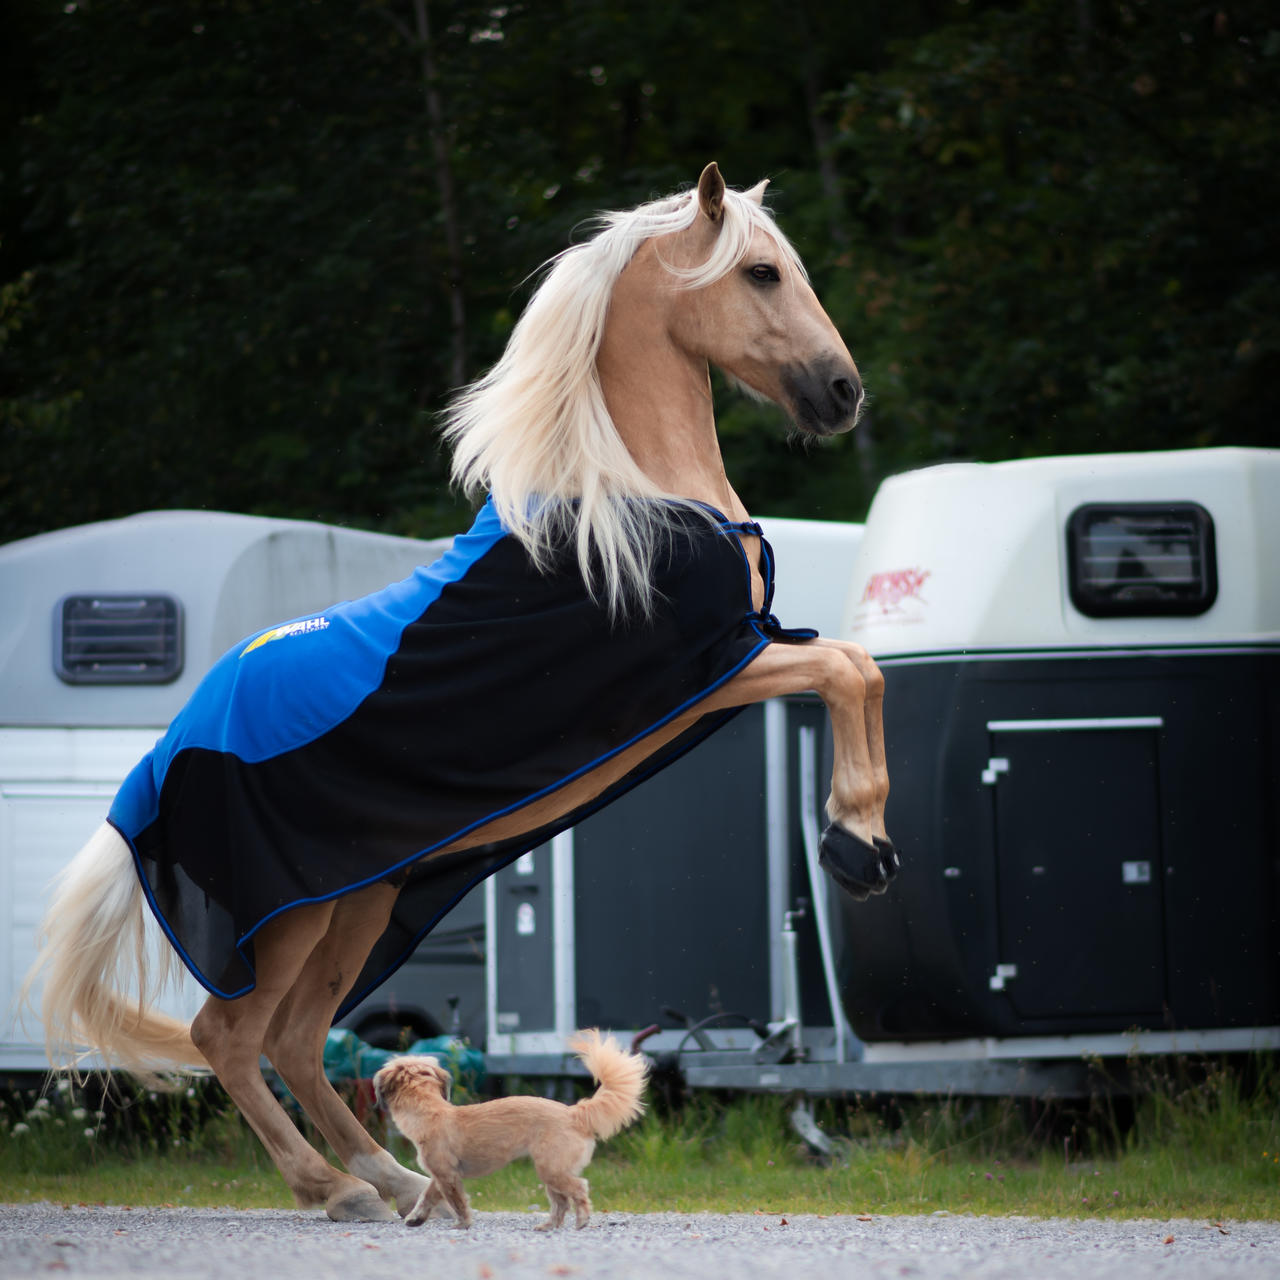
117,639
1140,559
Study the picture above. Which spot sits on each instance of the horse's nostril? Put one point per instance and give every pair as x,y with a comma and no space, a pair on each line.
847,392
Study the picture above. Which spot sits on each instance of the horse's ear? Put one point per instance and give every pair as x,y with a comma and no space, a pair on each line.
711,192
756,194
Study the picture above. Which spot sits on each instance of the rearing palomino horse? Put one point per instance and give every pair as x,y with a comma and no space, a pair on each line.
336,783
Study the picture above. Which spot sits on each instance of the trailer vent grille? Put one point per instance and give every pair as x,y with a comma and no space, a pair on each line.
117,639
1141,559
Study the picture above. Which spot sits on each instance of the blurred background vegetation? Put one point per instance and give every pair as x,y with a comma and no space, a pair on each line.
247,249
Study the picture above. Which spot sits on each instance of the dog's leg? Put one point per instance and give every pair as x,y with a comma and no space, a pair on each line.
451,1189
579,1194
426,1202
295,1041
559,1206
230,1035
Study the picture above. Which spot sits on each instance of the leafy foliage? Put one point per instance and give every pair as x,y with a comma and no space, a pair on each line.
1063,212
228,279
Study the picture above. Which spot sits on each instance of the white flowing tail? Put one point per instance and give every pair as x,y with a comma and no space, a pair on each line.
99,979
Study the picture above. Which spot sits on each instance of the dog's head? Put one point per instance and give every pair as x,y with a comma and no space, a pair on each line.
412,1078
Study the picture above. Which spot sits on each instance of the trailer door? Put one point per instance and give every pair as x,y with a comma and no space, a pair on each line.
1079,871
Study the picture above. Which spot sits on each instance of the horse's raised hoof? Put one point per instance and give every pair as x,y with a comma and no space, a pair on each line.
889,858
856,866
359,1204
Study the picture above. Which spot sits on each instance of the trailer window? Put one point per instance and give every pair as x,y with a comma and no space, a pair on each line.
1141,559
117,639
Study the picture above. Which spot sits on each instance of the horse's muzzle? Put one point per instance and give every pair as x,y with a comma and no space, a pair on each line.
825,397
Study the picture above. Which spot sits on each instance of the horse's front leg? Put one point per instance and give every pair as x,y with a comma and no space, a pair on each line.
872,720
856,849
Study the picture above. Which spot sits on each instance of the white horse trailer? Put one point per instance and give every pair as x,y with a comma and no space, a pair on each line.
1082,664
105,630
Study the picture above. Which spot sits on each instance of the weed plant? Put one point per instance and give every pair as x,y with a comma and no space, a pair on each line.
1191,1138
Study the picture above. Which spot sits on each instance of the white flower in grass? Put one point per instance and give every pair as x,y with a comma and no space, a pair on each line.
79,1113
21,1128
33,1114
91,1134
40,1104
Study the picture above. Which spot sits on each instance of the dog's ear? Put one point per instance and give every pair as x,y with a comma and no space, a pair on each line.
389,1081
380,1080
446,1082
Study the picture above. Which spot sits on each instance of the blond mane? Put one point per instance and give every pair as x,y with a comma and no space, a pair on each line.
534,431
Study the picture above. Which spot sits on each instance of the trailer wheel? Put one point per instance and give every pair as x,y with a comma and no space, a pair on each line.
397,1033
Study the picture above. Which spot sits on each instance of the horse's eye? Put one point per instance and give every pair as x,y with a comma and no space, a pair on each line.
765,273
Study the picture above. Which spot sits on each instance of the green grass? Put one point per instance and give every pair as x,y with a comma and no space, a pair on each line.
1198,1144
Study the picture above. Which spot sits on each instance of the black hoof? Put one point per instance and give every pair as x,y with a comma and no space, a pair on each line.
856,866
888,857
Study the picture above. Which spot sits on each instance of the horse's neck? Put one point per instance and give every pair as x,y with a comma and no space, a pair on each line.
663,410
661,404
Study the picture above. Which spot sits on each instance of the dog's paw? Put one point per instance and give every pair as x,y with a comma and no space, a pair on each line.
420,1212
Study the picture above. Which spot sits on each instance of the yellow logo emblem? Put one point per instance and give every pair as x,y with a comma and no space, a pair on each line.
304,627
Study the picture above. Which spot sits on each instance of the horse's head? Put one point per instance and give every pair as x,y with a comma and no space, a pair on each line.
743,302
602,393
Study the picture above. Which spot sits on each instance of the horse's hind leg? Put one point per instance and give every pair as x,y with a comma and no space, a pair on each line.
296,1035
230,1035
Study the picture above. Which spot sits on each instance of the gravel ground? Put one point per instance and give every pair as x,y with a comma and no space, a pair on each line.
232,1244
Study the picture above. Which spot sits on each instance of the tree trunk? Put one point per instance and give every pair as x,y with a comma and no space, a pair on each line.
454,276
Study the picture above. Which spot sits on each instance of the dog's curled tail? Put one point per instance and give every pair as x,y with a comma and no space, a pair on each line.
621,1076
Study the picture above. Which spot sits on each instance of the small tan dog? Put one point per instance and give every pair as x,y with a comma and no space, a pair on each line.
467,1142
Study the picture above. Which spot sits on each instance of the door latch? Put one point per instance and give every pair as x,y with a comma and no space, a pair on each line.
995,767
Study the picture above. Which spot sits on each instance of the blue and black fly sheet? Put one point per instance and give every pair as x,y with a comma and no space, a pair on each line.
342,749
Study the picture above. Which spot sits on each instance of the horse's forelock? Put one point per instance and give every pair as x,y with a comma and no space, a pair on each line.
741,218
621,233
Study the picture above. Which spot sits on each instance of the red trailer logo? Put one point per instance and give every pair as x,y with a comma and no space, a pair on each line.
888,590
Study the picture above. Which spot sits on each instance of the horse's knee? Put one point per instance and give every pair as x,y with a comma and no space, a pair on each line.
851,682
868,669
873,678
